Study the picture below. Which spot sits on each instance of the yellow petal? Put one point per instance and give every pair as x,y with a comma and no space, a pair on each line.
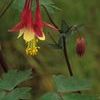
28,35
42,38
21,33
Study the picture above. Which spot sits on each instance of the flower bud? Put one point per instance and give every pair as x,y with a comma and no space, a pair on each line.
80,46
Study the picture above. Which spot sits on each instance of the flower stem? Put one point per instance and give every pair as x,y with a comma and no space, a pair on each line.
64,43
64,46
50,17
2,63
6,8
66,57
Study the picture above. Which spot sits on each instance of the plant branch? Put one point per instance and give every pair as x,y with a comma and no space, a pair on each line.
6,8
66,57
52,38
50,17
64,43
2,63
60,96
64,47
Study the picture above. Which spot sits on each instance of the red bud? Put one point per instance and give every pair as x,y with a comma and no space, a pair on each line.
80,46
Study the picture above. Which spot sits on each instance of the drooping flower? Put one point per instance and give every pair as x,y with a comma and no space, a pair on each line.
25,29
29,29
39,24
80,46
25,26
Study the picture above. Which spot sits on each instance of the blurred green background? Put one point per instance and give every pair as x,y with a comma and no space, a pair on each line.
50,60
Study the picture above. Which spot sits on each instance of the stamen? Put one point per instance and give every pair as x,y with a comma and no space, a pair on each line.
32,48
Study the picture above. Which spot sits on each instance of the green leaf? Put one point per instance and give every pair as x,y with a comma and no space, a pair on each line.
56,96
79,97
50,96
71,84
17,94
66,30
64,27
18,5
11,79
50,5
2,95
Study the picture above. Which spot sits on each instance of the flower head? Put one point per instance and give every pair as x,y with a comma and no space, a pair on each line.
80,46
30,29
26,29
25,26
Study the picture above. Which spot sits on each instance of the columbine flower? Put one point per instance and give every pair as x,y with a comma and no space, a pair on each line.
80,46
25,26
39,24
25,29
29,29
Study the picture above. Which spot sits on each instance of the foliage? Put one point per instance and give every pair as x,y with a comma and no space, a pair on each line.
82,12
50,5
9,82
55,96
72,85
14,11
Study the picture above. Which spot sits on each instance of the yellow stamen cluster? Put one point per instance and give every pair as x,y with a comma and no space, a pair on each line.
32,48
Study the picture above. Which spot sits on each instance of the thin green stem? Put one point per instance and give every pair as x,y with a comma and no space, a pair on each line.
52,38
64,44
6,8
64,47
49,17
2,63
66,57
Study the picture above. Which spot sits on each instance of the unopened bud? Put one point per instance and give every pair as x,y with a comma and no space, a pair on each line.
80,46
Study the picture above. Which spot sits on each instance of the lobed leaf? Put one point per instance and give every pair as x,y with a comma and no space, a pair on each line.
50,5
17,94
50,96
71,84
79,97
11,79
2,95
56,96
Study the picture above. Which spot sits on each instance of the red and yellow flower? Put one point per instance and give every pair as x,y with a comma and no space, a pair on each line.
31,30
